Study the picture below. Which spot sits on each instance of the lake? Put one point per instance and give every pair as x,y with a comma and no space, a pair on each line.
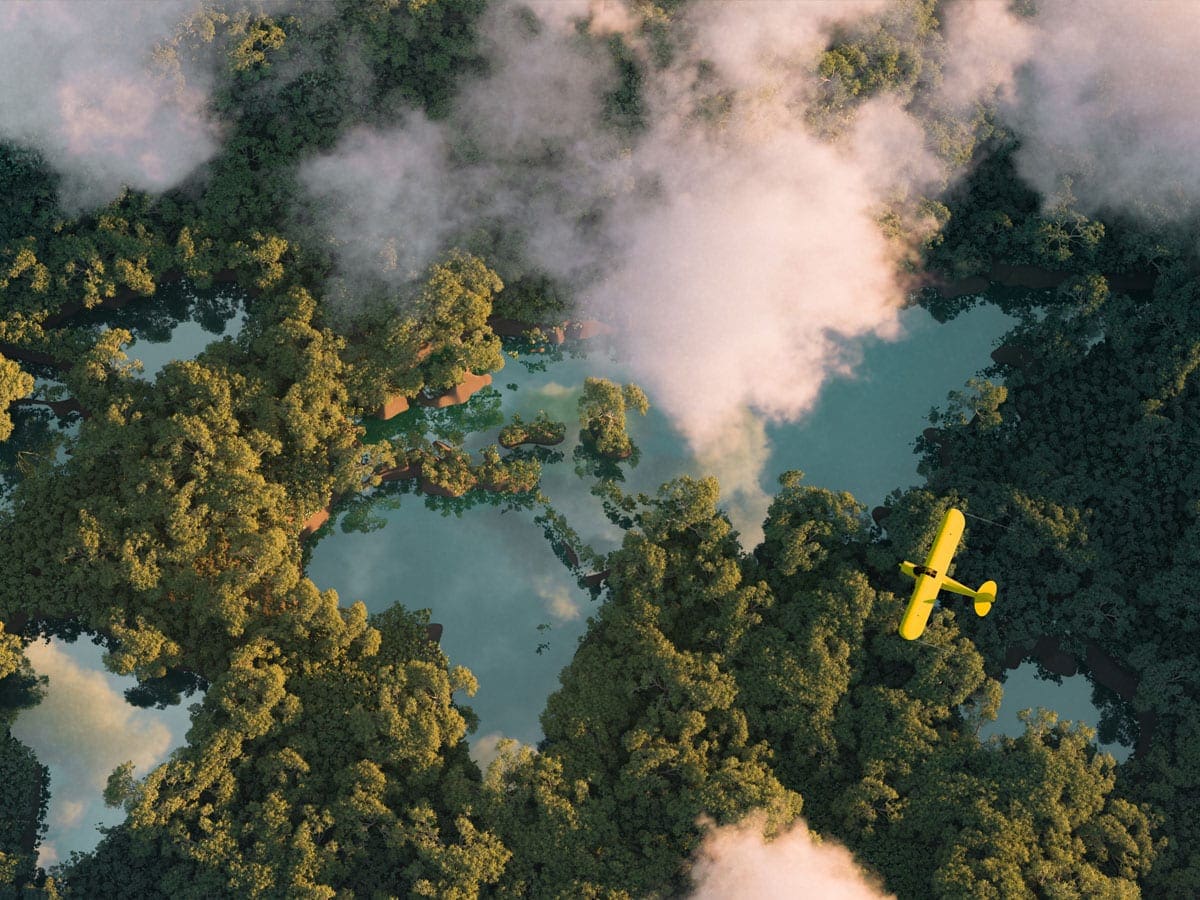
512,611
1071,700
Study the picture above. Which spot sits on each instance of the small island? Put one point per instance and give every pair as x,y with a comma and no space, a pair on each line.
602,410
542,431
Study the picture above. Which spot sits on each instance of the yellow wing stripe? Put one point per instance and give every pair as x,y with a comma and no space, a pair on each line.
920,607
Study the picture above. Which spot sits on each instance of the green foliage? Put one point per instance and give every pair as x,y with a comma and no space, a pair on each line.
14,384
532,299
602,407
20,687
22,811
624,105
884,52
645,733
219,459
120,787
1028,811
328,757
878,733
1086,462
28,188
433,340
542,430
983,404
266,802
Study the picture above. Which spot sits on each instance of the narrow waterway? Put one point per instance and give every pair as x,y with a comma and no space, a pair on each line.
512,611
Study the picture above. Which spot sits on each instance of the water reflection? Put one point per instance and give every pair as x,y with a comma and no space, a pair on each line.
1073,698
81,731
85,726
178,323
178,302
512,611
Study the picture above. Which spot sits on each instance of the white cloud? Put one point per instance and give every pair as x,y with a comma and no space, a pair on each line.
486,748
742,258
554,389
387,197
1108,99
735,863
737,458
559,600
1112,102
80,83
68,813
985,44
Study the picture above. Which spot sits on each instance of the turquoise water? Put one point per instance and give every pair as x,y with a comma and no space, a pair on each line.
491,577
1071,700
84,728
195,319
186,341
81,731
511,609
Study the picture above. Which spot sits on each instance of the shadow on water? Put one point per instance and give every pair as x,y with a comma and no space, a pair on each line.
513,581
177,323
1075,698
88,722
155,319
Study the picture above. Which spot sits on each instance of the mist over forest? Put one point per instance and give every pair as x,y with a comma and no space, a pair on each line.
731,198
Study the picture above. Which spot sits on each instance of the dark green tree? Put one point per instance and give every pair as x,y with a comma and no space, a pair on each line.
646,732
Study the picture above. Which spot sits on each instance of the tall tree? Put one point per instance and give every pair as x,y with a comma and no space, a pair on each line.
329,758
602,412
646,733
14,384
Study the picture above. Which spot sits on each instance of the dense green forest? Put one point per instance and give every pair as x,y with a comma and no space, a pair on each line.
327,755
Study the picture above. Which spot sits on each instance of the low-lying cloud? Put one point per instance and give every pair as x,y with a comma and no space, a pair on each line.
514,172
1103,95
485,748
740,255
736,863
985,43
387,198
81,84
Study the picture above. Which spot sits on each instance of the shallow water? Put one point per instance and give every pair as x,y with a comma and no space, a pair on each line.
84,728
512,610
203,317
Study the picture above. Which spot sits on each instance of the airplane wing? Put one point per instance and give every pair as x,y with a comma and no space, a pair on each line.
924,595
920,607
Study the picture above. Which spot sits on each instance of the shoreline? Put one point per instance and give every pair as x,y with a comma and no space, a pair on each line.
1102,669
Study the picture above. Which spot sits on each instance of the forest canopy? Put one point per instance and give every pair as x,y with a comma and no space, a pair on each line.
408,195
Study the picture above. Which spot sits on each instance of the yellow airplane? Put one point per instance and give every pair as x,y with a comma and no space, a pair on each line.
932,578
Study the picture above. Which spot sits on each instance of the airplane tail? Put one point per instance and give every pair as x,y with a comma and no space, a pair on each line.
984,598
